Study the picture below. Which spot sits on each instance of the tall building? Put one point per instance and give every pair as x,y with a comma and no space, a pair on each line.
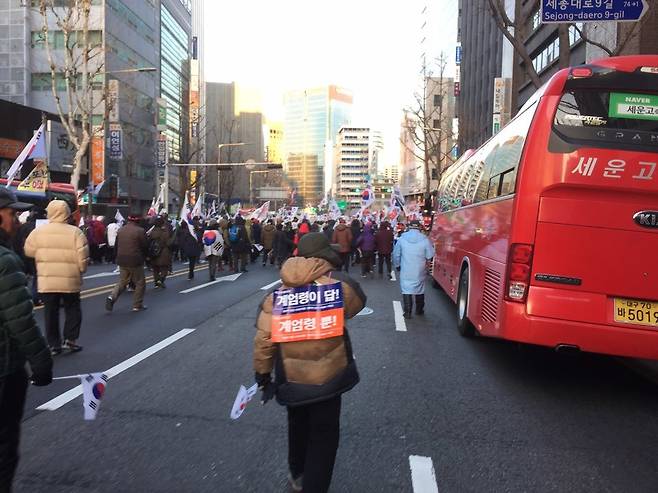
410,167
391,173
312,120
125,36
482,45
440,112
175,57
355,157
231,117
274,142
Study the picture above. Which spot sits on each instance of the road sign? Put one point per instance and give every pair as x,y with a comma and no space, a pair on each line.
560,11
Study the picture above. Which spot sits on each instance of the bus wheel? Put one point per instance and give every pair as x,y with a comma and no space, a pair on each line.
464,325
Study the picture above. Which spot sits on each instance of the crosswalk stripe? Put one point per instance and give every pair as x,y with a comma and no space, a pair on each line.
400,325
271,285
423,477
69,395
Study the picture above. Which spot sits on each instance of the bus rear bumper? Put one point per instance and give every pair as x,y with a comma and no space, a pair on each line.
595,338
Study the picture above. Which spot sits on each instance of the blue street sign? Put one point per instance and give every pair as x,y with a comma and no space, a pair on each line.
458,55
560,11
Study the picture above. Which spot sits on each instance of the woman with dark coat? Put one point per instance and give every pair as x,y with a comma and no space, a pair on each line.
355,226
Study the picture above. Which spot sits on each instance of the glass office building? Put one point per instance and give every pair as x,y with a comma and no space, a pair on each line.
312,118
174,81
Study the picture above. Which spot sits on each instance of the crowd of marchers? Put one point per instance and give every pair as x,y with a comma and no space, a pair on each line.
49,252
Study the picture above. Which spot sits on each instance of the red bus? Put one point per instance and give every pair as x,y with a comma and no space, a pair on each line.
547,234
61,191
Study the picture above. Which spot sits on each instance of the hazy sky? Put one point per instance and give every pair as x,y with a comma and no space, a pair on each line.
370,47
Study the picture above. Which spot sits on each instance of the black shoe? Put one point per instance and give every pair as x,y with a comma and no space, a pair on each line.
212,279
244,270
54,351
109,303
139,308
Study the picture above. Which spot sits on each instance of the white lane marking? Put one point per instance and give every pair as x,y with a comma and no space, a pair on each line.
423,477
270,285
69,395
400,325
102,274
366,311
211,283
393,278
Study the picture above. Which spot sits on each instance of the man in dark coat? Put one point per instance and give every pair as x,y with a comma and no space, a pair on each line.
240,245
283,245
161,237
20,341
189,240
384,240
267,235
132,247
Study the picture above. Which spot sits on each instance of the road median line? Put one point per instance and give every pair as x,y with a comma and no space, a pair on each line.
71,394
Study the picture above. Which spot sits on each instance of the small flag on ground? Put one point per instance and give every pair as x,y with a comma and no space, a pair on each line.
93,388
241,400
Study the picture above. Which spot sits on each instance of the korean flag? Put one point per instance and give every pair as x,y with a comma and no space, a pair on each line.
93,389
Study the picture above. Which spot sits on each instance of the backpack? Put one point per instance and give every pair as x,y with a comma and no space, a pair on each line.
234,233
154,249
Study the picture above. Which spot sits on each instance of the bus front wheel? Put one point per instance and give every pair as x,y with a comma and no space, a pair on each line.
464,325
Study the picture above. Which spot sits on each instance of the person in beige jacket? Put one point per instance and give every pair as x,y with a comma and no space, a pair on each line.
62,255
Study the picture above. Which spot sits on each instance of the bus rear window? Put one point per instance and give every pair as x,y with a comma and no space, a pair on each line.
606,118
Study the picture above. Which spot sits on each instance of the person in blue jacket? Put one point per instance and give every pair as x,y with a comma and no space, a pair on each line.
410,256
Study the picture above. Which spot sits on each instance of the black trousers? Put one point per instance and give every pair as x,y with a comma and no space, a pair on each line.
384,258
268,255
345,257
192,265
13,389
313,436
72,320
367,260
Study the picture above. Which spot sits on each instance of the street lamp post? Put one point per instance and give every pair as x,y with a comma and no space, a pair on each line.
251,187
219,159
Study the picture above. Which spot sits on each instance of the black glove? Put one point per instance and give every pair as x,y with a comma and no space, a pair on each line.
265,384
41,380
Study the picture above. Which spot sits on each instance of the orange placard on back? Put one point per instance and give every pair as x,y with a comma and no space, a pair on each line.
309,312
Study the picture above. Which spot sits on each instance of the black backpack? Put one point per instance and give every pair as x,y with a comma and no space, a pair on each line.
154,248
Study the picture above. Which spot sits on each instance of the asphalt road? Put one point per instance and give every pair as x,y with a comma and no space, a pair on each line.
490,416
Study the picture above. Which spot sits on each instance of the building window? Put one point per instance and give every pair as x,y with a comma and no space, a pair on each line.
437,100
548,55
436,124
536,20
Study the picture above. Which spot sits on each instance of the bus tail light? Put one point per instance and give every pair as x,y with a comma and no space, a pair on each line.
581,72
519,268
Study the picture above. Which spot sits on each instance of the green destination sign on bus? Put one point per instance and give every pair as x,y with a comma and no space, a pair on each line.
633,106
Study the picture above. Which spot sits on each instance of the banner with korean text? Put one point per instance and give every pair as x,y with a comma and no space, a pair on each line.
309,312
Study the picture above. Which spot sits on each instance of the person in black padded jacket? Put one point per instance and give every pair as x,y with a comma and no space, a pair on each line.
20,341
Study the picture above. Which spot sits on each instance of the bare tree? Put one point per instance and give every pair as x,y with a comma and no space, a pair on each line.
431,134
73,70
517,32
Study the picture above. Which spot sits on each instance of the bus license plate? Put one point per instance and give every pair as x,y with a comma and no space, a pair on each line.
636,312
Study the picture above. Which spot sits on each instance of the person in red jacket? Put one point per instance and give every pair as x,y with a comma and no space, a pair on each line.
384,242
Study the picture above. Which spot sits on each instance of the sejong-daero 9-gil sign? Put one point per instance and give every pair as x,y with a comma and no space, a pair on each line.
564,11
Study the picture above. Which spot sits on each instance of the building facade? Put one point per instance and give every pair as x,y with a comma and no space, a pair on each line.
312,120
152,35
226,123
353,163
274,142
482,45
